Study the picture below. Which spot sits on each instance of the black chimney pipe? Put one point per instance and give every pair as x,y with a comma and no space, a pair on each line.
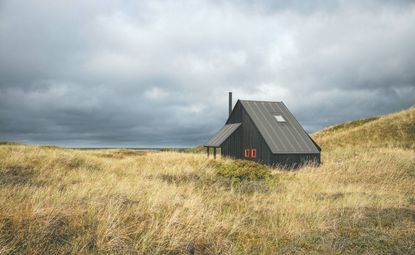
230,103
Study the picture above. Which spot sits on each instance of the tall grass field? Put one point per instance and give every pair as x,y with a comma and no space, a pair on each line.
361,200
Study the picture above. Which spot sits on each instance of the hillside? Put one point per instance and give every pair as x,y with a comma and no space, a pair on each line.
395,130
361,200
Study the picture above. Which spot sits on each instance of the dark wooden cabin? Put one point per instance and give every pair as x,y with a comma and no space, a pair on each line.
265,132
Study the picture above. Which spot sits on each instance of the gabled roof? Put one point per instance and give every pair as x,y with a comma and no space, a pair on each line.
281,137
222,135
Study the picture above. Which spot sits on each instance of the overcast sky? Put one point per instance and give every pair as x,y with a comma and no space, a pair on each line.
156,73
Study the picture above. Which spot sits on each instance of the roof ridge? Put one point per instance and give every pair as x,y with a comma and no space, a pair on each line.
265,101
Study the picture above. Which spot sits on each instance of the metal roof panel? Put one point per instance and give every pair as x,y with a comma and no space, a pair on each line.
222,135
281,137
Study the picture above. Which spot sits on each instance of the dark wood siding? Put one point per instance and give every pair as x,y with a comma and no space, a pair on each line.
252,139
246,137
232,147
236,115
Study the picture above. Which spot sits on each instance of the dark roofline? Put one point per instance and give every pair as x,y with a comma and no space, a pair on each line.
260,101
222,135
233,110
315,144
318,146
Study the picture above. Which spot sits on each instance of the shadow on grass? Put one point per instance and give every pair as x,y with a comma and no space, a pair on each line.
360,231
120,154
45,234
218,183
17,175
342,195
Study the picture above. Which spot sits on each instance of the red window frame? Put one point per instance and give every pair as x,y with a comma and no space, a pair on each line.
253,153
247,153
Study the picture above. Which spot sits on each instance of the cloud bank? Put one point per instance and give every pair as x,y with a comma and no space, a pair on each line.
156,73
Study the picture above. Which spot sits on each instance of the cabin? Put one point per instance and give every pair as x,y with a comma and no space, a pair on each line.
265,132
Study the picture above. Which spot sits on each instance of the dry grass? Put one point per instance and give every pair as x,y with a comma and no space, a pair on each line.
392,130
360,201
67,201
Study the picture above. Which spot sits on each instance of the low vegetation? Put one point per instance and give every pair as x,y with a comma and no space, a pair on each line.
197,149
361,200
242,170
395,130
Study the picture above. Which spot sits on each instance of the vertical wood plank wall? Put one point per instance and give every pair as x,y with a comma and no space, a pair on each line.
246,137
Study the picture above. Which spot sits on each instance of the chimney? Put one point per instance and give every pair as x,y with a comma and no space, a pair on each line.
230,103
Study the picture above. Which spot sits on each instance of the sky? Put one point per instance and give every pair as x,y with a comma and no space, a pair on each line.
155,73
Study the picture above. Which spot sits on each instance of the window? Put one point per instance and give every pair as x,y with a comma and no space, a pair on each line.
279,118
253,153
250,153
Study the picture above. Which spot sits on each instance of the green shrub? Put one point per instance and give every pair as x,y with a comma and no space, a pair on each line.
8,143
242,170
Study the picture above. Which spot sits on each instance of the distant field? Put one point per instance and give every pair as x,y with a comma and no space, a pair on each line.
361,200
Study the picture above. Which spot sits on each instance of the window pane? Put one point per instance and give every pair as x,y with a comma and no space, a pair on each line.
279,118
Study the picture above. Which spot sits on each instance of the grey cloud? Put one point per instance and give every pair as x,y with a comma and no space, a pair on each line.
156,73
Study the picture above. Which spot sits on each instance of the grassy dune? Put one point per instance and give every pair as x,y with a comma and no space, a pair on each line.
392,130
361,200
